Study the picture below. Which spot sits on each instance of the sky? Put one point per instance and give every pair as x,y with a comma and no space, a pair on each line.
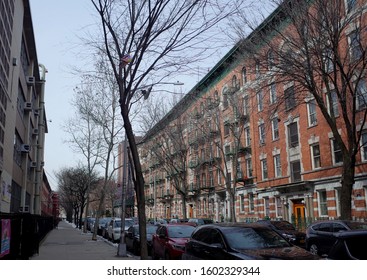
58,26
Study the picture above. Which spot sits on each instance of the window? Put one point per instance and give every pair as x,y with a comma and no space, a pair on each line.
247,137
242,203
246,105
249,167
364,145
315,155
227,151
296,171
279,208
323,203
226,129
277,166
260,100
334,104
235,83
312,116
244,75
225,97
262,134
337,152
257,68
251,202
355,45
273,93
275,128
264,169
290,100
361,95
267,206
270,59
293,135
328,61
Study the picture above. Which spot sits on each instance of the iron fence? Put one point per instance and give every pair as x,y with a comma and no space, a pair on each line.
26,233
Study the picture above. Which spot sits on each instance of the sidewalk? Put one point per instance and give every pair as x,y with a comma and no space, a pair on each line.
69,243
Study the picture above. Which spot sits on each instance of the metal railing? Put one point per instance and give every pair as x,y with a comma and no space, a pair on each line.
26,233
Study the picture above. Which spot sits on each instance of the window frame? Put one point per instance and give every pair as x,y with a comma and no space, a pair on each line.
292,135
275,128
264,169
312,113
277,166
316,158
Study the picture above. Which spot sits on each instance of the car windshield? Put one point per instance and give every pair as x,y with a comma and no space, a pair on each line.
253,238
283,225
356,225
129,222
180,231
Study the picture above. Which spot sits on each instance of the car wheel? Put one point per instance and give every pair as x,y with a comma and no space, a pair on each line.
314,249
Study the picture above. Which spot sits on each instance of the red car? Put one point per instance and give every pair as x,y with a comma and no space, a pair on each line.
169,241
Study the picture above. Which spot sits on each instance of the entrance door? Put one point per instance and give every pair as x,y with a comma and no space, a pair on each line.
191,210
299,211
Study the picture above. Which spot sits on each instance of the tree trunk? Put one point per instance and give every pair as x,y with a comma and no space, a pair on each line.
347,182
139,188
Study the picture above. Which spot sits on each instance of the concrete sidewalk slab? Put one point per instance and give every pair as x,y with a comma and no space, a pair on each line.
69,243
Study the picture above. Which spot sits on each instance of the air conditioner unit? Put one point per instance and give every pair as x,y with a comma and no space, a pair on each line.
36,112
30,80
262,141
24,209
33,164
25,148
27,106
35,131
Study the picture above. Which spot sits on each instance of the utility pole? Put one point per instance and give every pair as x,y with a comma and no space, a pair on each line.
121,250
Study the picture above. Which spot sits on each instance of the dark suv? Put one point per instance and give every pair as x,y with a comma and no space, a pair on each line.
287,230
321,235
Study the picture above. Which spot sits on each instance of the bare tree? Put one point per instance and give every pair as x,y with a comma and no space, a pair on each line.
105,115
146,42
84,134
73,184
321,47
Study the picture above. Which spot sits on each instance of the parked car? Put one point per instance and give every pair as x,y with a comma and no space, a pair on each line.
321,235
169,240
241,241
101,225
114,228
177,221
200,222
349,245
132,238
287,230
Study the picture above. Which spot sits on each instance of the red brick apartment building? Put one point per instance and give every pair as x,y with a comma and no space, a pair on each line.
251,139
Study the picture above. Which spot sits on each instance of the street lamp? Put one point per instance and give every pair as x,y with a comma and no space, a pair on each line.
147,90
